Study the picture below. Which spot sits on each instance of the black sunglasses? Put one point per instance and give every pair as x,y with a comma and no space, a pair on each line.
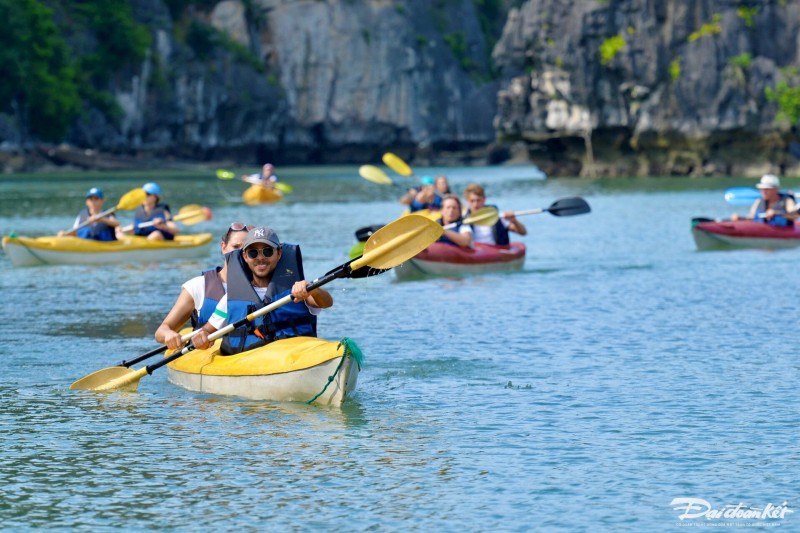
252,253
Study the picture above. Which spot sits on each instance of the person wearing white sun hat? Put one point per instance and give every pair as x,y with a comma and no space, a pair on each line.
774,207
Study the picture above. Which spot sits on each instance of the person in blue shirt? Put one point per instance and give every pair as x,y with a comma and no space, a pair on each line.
101,228
774,207
426,197
152,210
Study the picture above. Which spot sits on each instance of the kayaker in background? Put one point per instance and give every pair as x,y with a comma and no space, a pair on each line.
153,210
425,197
774,207
461,234
266,179
102,228
442,185
475,196
263,271
200,295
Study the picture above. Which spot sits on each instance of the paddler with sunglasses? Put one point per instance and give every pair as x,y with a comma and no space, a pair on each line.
200,295
265,270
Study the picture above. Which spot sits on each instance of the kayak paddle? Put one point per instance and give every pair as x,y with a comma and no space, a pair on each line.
130,200
485,216
565,207
376,175
228,175
393,244
189,214
742,195
398,165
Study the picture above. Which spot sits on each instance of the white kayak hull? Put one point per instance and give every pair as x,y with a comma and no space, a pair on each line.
265,374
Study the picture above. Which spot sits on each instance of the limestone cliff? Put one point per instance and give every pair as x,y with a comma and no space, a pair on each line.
651,87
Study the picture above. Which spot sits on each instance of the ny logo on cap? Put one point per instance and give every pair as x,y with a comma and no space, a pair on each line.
259,232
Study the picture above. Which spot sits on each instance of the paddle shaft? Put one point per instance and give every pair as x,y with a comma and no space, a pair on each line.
338,272
93,219
177,218
156,351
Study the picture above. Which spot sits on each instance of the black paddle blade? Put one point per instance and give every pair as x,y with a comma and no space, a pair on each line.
363,234
567,207
344,271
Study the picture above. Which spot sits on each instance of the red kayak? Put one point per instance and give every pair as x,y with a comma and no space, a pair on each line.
726,234
441,259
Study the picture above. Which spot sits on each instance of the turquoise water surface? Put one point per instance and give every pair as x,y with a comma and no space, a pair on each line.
620,370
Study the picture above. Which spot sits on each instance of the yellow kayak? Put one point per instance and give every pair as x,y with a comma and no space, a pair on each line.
31,251
300,369
256,194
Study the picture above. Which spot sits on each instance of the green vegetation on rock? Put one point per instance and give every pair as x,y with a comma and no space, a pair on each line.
788,99
610,48
708,29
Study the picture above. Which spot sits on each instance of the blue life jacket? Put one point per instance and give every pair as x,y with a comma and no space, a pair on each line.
778,207
435,205
139,216
444,238
98,231
214,291
290,320
499,231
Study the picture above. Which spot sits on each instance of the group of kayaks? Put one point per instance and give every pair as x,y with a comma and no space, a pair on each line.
299,369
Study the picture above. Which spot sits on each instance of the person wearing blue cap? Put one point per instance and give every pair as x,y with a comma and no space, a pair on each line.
88,225
425,197
152,210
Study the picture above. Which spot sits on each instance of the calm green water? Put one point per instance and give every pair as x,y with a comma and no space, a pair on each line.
620,370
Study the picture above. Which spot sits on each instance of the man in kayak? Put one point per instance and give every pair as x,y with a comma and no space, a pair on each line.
200,295
152,210
263,271
497,234
266,179
101,228
774,207
461,234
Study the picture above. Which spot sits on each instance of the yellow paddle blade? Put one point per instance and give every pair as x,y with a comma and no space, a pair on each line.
132,199
398,242
225,174
485,216
398,165
283,187
193,214
97,380
375,175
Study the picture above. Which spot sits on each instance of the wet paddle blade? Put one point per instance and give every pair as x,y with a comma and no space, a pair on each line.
283,187
398,242
375,175
225,174
131,199
398,165
567,207
99,379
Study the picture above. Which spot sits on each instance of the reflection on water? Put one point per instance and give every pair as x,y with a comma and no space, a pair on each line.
618,370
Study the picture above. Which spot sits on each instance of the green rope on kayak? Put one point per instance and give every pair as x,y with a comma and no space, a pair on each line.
351,349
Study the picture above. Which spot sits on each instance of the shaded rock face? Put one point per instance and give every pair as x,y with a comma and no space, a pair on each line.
649,87
341,81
